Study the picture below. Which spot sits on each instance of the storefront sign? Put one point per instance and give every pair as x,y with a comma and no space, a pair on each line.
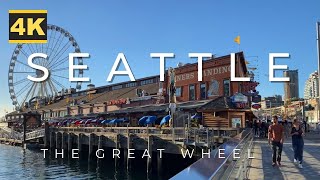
239,98
249,86
240,105
256,99
206,72
251,93
117,102
256,106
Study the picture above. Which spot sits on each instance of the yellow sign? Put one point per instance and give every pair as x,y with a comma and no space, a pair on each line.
27,26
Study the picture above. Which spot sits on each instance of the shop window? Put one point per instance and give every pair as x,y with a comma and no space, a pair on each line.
63,113
80,110
116,87
203,91
178,91
132,84
226,87
148,81
192,92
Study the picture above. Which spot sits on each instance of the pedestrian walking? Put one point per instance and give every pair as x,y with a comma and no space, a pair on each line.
276,138
266,129
297,142
259,128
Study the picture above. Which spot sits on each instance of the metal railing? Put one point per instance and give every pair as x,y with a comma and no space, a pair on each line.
228,161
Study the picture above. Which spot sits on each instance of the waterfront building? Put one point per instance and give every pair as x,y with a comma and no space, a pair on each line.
150,96
311,88
312,110
272,102
215,85
291,88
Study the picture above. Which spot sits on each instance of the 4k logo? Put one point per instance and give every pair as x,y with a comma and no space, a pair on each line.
27,26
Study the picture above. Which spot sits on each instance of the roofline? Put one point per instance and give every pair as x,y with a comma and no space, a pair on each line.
120,83
214,59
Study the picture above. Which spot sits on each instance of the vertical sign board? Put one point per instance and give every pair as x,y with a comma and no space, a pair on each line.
27,26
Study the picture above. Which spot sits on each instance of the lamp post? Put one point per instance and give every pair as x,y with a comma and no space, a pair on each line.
172,100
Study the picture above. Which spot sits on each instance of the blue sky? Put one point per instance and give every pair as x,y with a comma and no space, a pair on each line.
138,28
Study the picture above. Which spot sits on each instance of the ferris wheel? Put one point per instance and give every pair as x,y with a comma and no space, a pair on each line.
60,43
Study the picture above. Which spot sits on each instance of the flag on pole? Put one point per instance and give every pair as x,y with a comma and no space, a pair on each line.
237,40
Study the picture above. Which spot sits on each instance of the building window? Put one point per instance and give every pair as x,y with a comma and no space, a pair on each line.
63,113
178,91
116,87
132,84
148,81
192,92
226,87
203,91
80,110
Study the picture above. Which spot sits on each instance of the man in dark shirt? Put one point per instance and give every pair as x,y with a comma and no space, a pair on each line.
276,137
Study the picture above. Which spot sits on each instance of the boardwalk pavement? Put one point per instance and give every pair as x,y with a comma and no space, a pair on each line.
261,168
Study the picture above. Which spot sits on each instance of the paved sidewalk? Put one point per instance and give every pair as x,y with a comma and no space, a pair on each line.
261,168
314,137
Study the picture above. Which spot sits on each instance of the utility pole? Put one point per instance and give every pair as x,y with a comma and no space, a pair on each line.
318,43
